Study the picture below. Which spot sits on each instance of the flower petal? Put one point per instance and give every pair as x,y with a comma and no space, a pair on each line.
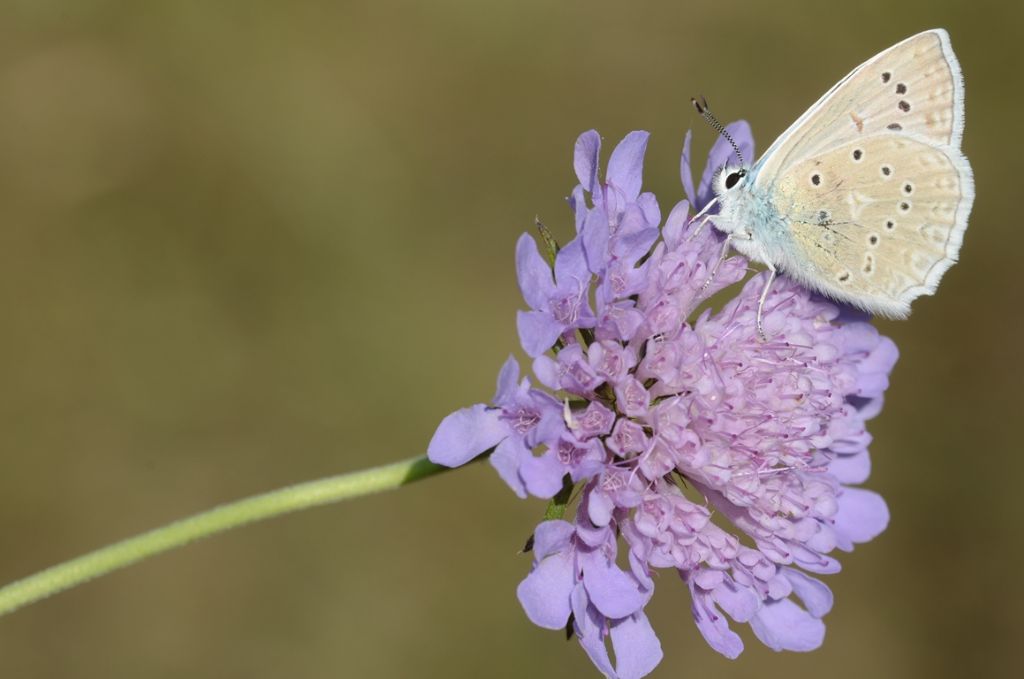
868,408
600,507
551,536
595,240
545,593
585,159
874,370
635,236
851,468
578,205
589,630
552,420
506,460
815,594
676,223
713,626
741,603
588,533
613,591
636,646
546,370
648,203
542,475
625,168
784,626
686,172
862,516
538,331
571,272
508,382
535,281
465,434
816,563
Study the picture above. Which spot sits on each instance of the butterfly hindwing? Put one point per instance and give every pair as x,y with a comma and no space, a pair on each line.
876,221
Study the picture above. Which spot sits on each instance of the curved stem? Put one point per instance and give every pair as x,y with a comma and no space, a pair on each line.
216,520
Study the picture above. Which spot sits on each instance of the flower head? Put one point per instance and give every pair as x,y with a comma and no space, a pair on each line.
696,445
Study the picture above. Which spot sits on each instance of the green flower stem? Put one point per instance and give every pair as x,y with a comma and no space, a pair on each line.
557,505
282,501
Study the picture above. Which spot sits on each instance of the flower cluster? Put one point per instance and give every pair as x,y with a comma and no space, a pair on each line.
694,443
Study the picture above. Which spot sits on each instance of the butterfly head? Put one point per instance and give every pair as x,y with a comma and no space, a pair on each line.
729,178
739,209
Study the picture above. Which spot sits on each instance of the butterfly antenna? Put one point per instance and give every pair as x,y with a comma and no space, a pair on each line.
705,112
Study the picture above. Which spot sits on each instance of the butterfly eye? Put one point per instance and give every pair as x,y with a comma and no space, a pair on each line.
731,180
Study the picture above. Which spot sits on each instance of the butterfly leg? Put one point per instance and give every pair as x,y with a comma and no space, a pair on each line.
703,213
721,258
760,303
700,227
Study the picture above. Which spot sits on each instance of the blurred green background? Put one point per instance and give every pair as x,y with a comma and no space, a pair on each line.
244,244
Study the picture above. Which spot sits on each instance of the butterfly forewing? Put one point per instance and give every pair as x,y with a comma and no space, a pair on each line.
871,182
913,87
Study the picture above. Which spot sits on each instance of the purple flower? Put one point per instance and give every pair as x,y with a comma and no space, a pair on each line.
575,581
767,436
521,419
558,305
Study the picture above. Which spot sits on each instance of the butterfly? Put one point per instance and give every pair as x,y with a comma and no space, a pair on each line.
865,197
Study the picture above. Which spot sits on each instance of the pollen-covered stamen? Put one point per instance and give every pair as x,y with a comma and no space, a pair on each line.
614,480
627,438
773,471
578,372
633,399
568,417
610,364
617,282
566,308
569,453
756,425
595,420
522,419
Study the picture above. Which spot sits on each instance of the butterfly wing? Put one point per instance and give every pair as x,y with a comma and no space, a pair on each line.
871,181
883,223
